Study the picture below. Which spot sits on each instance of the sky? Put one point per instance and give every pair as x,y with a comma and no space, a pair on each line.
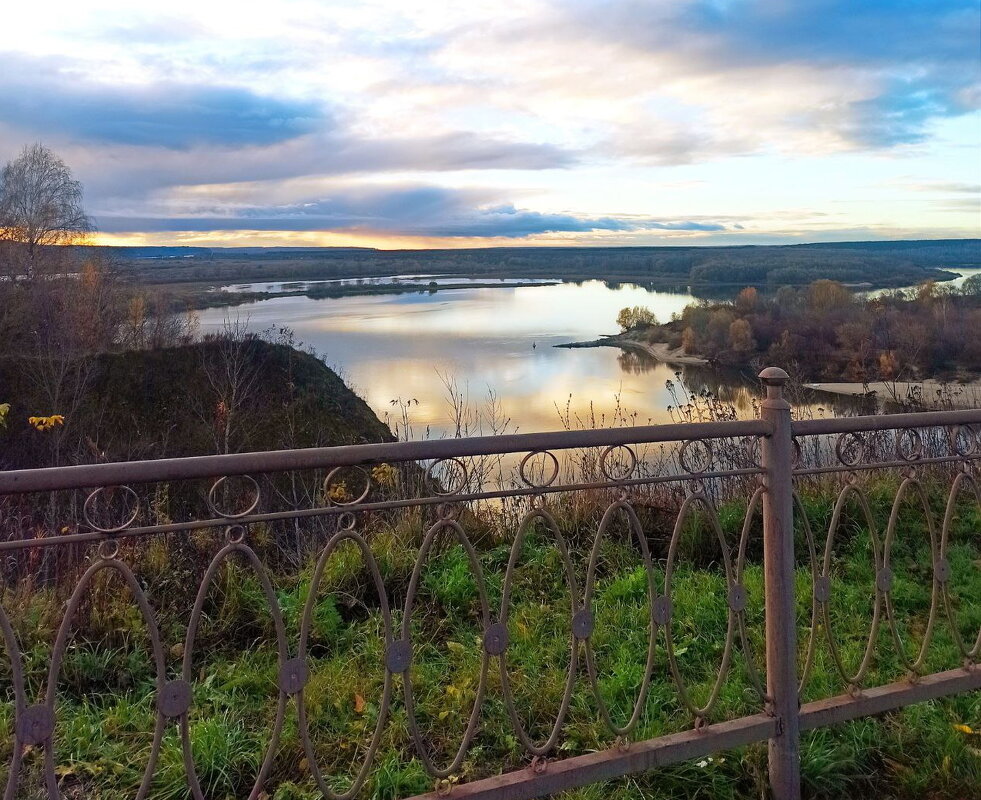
407,123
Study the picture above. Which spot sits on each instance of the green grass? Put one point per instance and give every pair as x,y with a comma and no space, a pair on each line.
106,704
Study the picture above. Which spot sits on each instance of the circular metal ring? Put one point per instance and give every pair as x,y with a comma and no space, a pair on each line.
447,511
909,444
842,445
108,549
359,499
453,488
224,514
346,521
235,534
965,433
704,462
630,465
87,509
549,456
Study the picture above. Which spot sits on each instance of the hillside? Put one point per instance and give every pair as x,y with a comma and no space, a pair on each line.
182,401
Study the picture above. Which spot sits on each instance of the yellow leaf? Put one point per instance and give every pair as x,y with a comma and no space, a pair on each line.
964,729
454,647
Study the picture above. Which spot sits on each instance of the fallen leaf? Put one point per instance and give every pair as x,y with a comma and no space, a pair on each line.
358,704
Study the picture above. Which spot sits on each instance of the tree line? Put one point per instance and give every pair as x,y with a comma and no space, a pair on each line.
824,330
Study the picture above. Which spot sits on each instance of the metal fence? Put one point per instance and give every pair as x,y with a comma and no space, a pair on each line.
763,457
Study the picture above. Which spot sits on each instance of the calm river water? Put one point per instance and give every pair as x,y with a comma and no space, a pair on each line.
398,349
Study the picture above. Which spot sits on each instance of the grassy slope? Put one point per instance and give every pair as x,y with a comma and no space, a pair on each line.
159,403
107,680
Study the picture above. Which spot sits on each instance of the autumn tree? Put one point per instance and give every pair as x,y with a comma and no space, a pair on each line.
636,317
747,299
40,204
741,336
824,296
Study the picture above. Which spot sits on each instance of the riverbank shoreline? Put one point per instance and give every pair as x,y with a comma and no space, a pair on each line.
659,351
929,393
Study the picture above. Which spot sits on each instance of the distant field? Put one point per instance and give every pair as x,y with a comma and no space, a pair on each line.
871,264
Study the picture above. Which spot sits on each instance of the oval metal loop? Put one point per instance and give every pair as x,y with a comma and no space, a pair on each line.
186,672
224,514
628,468
856,678
305,626
705,710
704,459
328,495
552,475
909,444
478,573
850,448
737,592
570,576
58,654
621,731
89,507
816,594
970,653
12,647
963,440
454,487
916,665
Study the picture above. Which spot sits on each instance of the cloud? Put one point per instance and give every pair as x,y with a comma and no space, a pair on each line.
126,140
912,62
168,115
427,211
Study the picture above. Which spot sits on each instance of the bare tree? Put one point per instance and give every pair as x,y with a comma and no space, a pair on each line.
40,203
233,366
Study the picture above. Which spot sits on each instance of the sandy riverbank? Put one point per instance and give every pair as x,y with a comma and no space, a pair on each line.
930,393
659,351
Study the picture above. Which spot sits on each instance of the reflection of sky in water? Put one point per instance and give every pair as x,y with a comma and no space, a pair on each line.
391,347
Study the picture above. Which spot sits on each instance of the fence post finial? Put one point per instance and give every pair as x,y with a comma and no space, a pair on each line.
779,599
774,379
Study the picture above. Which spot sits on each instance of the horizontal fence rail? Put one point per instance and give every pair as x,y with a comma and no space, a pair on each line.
67,528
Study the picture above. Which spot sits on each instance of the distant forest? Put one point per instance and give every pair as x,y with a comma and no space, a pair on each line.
875,264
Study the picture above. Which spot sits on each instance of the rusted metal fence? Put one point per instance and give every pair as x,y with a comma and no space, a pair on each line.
765,456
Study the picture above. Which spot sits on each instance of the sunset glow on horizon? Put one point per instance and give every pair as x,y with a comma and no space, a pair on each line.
426,124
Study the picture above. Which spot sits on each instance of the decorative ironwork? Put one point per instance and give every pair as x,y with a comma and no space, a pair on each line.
444,489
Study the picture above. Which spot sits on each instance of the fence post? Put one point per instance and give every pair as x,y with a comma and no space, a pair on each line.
778,565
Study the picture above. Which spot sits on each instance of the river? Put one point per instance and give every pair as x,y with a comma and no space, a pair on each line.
399,352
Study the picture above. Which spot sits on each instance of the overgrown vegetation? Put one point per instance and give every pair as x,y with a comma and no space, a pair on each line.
106,687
